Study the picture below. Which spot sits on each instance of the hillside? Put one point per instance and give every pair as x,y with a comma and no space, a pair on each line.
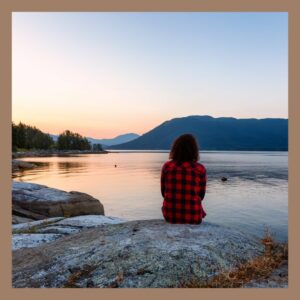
216,134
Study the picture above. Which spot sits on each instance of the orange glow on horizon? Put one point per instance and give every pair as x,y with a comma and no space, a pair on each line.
75,71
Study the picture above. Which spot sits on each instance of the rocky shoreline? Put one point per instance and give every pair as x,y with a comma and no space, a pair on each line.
47,153
63,239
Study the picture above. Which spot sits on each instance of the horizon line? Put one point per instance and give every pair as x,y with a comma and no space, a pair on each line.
181,117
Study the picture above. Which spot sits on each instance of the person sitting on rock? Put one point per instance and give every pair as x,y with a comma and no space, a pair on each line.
183,183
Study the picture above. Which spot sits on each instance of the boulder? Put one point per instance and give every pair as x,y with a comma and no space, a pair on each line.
37,202
19,214
146,253
21,165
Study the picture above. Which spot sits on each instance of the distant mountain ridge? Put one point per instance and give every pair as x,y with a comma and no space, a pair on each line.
123,138
270,134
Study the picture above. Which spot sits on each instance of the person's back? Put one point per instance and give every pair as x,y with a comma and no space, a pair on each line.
183,183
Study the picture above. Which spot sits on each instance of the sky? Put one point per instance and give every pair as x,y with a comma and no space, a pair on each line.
103,74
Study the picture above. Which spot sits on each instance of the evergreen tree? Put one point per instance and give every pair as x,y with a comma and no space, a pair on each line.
28,137
72,141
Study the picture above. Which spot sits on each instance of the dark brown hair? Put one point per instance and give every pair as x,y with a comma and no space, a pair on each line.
185,148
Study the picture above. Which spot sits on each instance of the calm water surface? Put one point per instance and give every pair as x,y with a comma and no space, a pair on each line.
255,195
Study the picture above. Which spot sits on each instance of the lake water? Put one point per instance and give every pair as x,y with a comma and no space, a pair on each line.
255,195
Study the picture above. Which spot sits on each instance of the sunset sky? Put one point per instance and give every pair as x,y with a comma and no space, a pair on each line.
105,74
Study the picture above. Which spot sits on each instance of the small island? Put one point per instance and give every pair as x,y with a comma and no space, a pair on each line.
29,141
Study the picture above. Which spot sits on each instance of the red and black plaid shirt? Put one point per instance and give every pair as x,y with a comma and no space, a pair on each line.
183,187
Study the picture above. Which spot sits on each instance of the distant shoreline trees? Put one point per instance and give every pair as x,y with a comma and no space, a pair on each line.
97,147
29,137
72,141
25,137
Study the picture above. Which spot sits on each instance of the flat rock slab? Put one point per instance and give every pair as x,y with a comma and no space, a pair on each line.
148,253
29,240
89,221
37,201
33,234
17,228
18,220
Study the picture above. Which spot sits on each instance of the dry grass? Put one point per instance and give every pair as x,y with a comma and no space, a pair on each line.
77,275
256,269
118,280
85,272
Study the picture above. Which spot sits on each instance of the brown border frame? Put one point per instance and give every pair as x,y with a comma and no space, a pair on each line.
9,6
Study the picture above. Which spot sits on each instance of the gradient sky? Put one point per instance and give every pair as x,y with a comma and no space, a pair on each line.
105,74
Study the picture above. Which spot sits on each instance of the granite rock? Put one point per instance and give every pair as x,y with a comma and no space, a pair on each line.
35,201
146,253
33,234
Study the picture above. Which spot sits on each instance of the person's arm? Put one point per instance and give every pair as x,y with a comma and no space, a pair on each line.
162,181
203,180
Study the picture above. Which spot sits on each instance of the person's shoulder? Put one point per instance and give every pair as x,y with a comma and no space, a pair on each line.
200,167
166,165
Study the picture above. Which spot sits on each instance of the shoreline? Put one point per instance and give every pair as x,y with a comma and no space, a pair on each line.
50,153
62,153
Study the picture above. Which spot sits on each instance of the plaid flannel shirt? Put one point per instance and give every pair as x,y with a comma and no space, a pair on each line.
183,187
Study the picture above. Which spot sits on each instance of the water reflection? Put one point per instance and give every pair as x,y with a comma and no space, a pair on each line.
40,166
70,168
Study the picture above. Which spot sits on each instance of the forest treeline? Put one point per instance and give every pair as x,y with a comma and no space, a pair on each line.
26,137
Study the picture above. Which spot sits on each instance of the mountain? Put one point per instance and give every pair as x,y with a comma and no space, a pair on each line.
123,138
216,134
54,137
